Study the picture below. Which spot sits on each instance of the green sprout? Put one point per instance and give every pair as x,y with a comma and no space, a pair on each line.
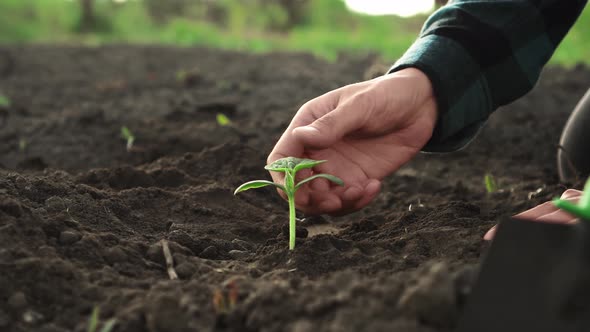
290,166
22,145
181,75
490,182
188,77
580,210
128,136
4,101
93,322
223,120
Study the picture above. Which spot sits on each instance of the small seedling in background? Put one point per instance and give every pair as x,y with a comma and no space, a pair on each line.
188,77
128,136
219,302
4,101
93,322
225,301
290,166
224,84
223,120
22,145
180,76
580,210
490,182
244,87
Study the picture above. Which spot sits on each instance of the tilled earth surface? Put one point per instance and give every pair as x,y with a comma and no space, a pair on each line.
83,220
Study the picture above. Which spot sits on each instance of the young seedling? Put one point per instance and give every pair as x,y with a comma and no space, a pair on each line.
490,182
582,209
226,300
22,145
4,101
181,75
223,120
93,322
290,166
128,136
188,77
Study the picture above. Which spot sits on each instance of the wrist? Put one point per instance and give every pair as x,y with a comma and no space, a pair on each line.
417,93
429,105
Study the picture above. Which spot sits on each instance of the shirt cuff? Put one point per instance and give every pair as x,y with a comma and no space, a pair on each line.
460,88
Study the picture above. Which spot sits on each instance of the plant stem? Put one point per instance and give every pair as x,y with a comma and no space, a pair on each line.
292,222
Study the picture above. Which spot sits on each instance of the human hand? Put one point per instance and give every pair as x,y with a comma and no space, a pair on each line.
365,131
546,212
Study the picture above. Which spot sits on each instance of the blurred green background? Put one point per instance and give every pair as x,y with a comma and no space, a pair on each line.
322,27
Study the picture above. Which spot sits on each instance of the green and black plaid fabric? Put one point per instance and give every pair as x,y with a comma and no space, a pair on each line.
481,55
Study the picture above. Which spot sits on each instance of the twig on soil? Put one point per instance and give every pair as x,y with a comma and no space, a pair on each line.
169,260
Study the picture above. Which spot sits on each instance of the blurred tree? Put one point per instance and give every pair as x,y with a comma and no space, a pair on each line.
215,12
296,11
162,10
87,19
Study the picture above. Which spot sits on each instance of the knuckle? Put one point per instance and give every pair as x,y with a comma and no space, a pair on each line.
364,100
326,121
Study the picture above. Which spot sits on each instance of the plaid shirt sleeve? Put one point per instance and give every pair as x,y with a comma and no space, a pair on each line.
480,55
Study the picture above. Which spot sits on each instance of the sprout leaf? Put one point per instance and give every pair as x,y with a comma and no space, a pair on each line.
257,184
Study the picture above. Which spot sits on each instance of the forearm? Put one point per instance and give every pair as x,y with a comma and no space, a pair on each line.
480,55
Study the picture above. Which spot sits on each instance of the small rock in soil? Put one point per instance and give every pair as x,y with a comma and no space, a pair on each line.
155,254
432,299
181,237
115,255
69,237
417,207
239,254
52,227
17,301
210,253
300,232
303,325
46,251
185,270
55,204
165,313
10,207
190,78
68,220
313,220
244,245
32,317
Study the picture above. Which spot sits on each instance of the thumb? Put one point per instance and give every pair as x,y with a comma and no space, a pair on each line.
330,128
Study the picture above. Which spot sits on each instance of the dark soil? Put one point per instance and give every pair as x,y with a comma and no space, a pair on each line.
82,219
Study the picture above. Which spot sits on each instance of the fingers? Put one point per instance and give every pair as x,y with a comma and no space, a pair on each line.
331,127
372,189
491,233
571,193
557,217
546,212
340,201
537,211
